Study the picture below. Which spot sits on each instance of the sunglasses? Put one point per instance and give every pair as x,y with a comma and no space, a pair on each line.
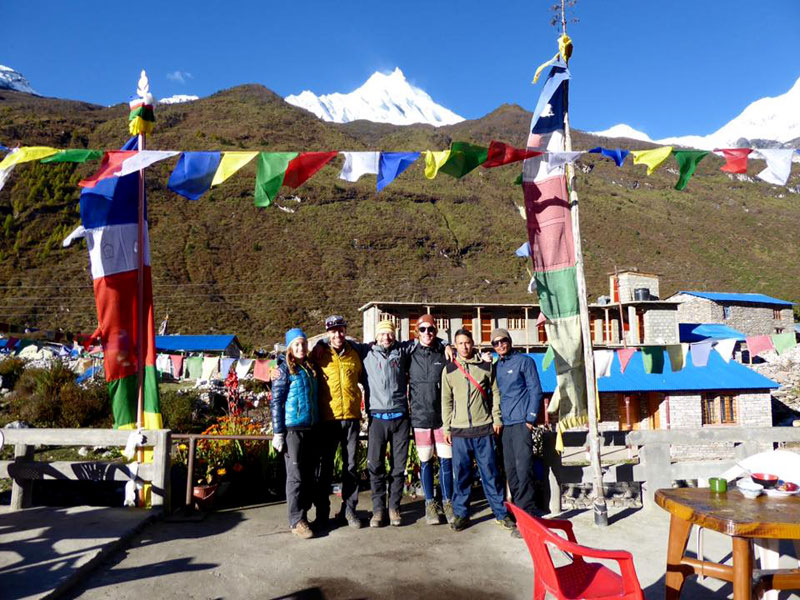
496,343
427,329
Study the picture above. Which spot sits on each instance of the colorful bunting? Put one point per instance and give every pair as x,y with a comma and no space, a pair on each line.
110,165
230,163
547,359
142,160
725,348
624,355
779,165
464,158
687,163
602,362
700,353
269,178
783,341
735,159
26,154
653,359
618,155
304,166
677,356
759,343
392,164
503,154
652,158
73,156
192,176
434,162
557,160
357,164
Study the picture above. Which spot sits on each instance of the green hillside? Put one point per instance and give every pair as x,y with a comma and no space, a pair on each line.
222,265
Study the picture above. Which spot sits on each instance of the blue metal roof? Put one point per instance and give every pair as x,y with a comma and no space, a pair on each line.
194,343
717,375
697,332
739,298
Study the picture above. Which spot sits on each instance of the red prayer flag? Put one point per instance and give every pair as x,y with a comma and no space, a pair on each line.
736,159
759,343
503,154
304,165
112,161
624,355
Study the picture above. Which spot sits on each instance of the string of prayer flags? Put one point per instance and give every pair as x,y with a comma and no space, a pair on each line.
652,158
653,359
269,177
779,165
687,163
624,355
725,348
143,159
677,356
524,251
357,164
177,365
503,154
192,176
557,160
618,155
464,158
26,154
735,159
783,341
547,359
602,362
112,161
74,156
700,353
759,343
5,174
225,365
193,367
392,164
230,163
306,164
243,366
434,162
261,370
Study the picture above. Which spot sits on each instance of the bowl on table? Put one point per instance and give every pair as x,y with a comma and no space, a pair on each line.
783,489
749,488
767,480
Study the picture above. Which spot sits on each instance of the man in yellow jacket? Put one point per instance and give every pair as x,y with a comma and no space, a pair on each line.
341,371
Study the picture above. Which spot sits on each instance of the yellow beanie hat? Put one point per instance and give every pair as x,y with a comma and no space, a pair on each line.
385,326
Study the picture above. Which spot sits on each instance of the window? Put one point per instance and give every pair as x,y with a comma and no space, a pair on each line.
387,316
542,333
726,312
719,410
442,322
466,321
776,313
516,320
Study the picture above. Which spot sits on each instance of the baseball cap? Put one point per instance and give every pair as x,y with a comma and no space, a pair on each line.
335,321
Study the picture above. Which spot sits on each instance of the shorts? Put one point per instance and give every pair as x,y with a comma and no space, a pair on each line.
426,439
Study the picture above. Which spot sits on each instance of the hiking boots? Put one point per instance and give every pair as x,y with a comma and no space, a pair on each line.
447,508
377,519
321,523
352,519
394,517
432,512
516,534
506,523
302,530
459,523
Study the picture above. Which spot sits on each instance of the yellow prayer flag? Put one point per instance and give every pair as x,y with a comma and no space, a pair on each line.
652,158
27,154
230,163
434,162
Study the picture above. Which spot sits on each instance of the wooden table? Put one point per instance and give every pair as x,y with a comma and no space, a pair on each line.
734,515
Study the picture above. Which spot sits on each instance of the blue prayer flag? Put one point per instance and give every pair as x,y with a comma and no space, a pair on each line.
618,156
550,120
193,174
392,164
524,250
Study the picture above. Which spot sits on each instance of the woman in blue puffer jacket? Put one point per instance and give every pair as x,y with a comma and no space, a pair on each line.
294,413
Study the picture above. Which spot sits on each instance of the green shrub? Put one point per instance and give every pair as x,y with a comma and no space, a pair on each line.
10,370
180,411
87,406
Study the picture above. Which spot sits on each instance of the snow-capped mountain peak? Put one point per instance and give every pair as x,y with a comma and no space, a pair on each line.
383,98
623,131
14,80
178,99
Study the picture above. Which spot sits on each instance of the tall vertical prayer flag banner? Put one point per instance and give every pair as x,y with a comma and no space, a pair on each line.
109,214
553,251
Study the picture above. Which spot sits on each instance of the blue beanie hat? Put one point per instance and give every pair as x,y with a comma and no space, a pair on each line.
293,334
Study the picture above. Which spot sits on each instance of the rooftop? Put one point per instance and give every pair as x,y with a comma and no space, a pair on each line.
739,298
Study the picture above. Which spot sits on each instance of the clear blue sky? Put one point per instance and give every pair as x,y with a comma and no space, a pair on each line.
668,68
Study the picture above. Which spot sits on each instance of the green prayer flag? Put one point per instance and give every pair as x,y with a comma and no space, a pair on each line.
463,158
653,359
548,358
74,156
271,169
558,292
783,342
687,162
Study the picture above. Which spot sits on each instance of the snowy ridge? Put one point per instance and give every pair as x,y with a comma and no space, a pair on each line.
776,119
178,99
13,80
381,99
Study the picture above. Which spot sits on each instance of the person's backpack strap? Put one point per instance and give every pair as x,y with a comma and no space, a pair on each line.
471,379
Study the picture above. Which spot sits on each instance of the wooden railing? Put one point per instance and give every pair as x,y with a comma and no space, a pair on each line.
24,469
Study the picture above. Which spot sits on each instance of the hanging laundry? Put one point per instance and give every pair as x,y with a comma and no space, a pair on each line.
602,362
261,370
357,164
624,355
618,155
779,165
230,163
687,163
243,367
210,367
434,162
192,176
783,341
759,343
392,164
652,158
735,159
193,367
164,364
725,348
225,365
177,365
677,356
549,355
653,359
700,353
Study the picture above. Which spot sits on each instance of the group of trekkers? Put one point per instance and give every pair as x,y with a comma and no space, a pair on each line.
459,405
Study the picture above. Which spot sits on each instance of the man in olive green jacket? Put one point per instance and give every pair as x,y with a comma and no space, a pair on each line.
471,419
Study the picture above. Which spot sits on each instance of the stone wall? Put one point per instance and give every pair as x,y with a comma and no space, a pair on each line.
697,310
754,410
750,319
661,326
629,281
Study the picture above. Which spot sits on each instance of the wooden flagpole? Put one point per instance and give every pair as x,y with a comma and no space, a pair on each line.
599,502
141,315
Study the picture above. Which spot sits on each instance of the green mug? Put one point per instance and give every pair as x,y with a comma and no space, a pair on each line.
718,485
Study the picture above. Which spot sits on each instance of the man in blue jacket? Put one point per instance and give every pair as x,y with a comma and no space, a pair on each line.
520,399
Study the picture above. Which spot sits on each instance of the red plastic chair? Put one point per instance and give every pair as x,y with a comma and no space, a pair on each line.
578,579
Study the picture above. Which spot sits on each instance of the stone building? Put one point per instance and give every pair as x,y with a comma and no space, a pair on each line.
752,314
